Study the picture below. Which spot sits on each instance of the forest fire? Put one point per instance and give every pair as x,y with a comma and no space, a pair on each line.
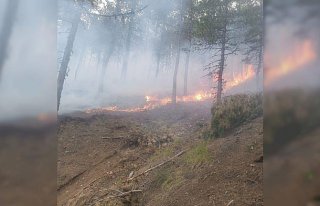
247,73
302,54
152,102
155,101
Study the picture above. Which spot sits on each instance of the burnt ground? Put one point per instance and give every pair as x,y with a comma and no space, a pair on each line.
98,153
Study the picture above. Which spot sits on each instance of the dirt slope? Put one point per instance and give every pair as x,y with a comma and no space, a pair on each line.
230,175
93,170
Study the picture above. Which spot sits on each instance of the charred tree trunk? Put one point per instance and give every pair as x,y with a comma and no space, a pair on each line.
66,57
176,68
186,71
128,44
6,30
222,64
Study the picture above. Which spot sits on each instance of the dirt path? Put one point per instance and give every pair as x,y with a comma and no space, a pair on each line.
89,165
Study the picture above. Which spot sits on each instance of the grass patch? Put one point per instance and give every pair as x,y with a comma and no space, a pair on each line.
232,112
172,181
168,151
165,152
167,178
162,176
198,154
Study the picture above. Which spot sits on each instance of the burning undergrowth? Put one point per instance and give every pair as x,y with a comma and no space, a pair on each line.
149,102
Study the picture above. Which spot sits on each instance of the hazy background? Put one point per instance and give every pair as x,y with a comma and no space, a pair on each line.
85,68
28,83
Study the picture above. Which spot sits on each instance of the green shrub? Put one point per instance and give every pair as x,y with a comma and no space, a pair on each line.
233,111
198,154
162,176
167,178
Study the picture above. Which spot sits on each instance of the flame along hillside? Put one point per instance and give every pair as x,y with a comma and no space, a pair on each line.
302,54
155,101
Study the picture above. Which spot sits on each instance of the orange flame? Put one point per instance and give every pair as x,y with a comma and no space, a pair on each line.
152,102
247,73
303,54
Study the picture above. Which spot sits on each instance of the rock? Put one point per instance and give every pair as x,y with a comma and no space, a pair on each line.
131,174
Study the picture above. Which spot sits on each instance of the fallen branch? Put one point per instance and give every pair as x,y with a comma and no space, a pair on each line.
252,181
230,203
110,138
122,194
159,165
70,181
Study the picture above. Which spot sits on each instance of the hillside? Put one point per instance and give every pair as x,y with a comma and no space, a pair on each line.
101,158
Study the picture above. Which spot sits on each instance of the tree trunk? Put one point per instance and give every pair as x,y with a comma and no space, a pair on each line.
6,30
109,53
80,62
159,55
260,62
222,64
186,71
66,57
190,28
105,66
128,44
176,68
158,65
100,57
175,75
91,57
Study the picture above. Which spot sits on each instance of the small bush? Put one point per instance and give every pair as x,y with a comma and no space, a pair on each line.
233,111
